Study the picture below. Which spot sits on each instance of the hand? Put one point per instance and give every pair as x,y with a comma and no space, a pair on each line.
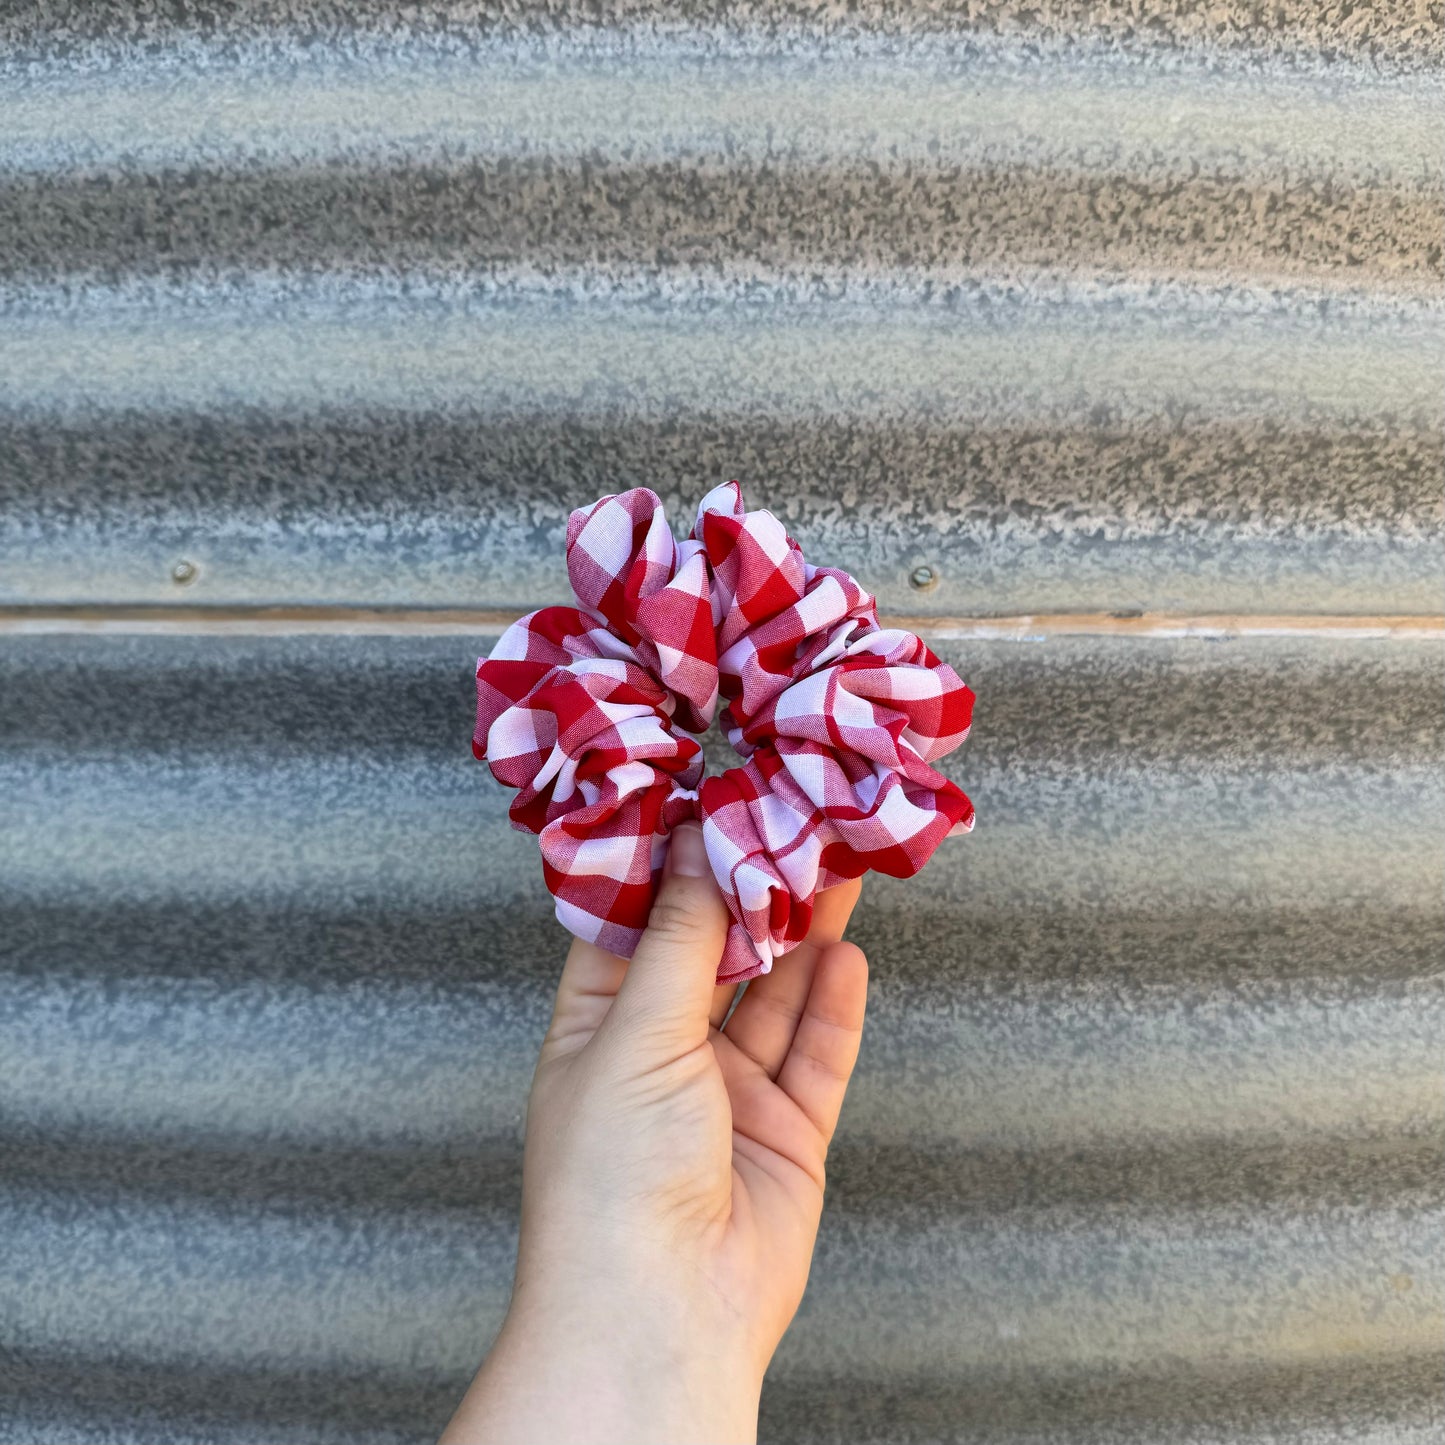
672,1180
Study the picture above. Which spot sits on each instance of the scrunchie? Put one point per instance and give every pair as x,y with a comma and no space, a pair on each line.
587,711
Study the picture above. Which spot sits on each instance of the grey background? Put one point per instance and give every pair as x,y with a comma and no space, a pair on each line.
1093,309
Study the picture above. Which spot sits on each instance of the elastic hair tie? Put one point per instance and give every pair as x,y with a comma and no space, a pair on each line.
588,712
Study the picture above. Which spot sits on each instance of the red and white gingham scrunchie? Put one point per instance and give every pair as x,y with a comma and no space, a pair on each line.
587,712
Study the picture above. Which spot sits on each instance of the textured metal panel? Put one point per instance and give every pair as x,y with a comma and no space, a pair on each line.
1091,307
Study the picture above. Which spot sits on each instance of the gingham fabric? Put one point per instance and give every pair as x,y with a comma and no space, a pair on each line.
587,711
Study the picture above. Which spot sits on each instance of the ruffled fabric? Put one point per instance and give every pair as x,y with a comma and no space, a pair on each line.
569,717
586,712
653,593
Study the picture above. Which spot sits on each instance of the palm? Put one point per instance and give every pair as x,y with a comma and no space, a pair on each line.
771,1078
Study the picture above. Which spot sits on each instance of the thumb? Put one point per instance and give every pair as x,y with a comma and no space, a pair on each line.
661,1010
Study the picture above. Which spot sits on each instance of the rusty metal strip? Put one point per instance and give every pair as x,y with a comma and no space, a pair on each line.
471,622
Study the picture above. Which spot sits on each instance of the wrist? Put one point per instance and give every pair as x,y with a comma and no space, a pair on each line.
600,1367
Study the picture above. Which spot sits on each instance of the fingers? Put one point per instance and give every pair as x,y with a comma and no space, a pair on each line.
820,1062
667,992
590,980
589,984
767,1018
722,1001
832,909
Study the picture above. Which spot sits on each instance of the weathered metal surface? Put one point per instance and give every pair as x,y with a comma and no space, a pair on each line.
1087,308
1150,1090
356,315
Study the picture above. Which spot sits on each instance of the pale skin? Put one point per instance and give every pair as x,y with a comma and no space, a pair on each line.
672,1180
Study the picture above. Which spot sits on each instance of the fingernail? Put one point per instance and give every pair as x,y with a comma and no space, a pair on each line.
688,852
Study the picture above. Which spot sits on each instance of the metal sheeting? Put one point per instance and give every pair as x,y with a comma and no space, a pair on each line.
1151,1084
1091,309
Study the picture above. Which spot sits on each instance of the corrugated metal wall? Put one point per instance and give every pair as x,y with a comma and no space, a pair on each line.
315,321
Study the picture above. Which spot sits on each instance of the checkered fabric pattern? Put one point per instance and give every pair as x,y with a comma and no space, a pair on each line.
653,592
568,716
587,712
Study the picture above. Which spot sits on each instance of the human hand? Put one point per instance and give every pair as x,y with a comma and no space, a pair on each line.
672,1181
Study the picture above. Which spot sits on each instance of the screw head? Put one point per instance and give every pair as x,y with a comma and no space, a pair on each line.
922,578
184,573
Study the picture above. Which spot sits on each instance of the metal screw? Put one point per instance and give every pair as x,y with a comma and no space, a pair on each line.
922,578
184,573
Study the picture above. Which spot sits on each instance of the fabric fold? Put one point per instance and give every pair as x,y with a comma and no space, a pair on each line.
654,592
568,716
